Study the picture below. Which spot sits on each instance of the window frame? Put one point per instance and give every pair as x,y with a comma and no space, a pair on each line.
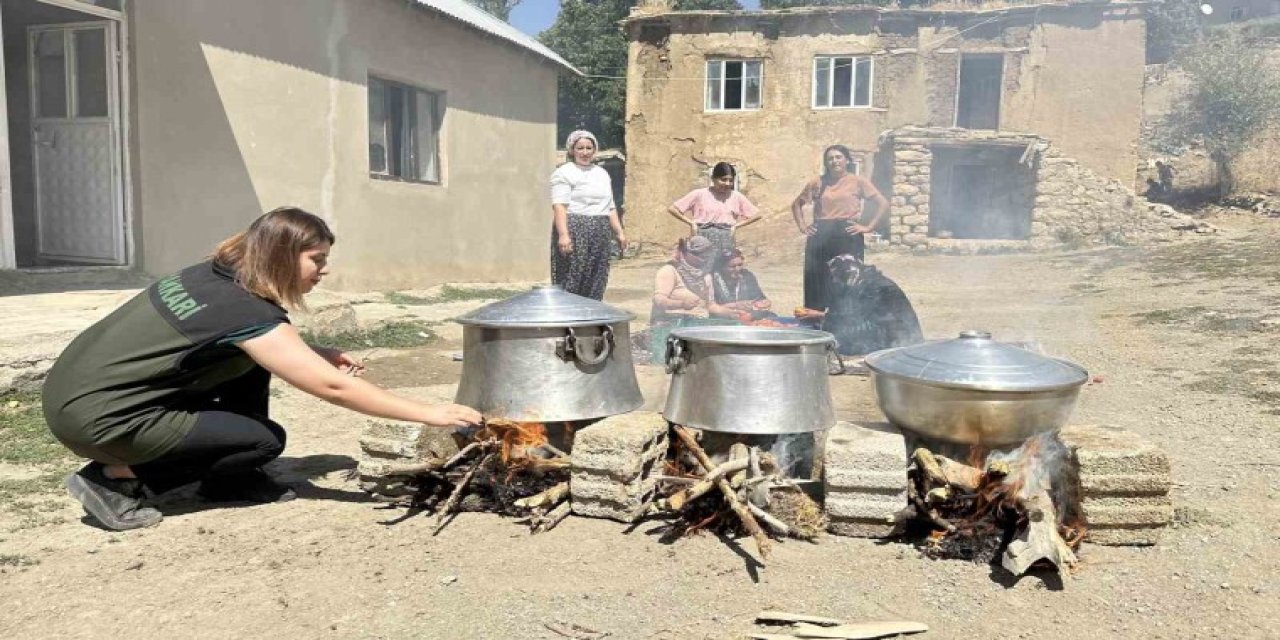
706,85
853,81
403,157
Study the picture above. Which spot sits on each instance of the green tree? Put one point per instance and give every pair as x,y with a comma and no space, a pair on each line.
586,34
1232,95
499,8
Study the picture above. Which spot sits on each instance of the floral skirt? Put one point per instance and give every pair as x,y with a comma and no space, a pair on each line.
585,271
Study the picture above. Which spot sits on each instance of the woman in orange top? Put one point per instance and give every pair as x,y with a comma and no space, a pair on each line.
837,197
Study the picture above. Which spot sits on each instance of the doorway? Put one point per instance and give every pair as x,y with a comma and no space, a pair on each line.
62,78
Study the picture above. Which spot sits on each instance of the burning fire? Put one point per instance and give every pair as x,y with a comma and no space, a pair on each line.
515,438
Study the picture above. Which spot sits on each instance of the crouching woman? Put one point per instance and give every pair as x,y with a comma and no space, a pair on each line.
172,387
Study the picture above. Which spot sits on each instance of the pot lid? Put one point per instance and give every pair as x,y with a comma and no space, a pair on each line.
546,305
975,361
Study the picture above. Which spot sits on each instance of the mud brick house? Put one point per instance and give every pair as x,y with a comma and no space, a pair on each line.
994,102
137,133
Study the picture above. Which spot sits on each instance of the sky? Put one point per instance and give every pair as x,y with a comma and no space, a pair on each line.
532,16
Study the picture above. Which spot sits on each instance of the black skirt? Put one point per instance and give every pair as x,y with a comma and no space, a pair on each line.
830,241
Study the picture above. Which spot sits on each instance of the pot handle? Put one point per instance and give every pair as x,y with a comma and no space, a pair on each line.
676,357
569,346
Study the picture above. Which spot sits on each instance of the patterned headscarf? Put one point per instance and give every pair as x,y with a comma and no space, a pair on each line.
575,137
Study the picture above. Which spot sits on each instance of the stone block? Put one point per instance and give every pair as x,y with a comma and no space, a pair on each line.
908,155
613,461
865,478
1122,484
388,443
915,220
906,189
898,201
914,239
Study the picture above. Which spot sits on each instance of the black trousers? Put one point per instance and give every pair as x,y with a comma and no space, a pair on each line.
829,241
232,435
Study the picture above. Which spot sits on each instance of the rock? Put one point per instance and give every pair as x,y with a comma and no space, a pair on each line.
613,462
865,478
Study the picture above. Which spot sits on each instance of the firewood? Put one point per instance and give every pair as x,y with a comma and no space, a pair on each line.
452,503
779,527
553,517
678,500
730,496
783,617
462,455
675,479
1040,539
550,497
859,630
944,471
773,636
739,452
415,469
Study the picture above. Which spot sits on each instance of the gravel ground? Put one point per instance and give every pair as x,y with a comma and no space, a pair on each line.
1182,336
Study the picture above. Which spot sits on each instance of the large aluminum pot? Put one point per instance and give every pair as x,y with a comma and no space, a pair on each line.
548,356
974,390
749,380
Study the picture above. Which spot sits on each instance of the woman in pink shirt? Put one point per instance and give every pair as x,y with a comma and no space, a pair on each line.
716,212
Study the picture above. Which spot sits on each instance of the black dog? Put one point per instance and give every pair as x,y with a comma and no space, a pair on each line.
868,311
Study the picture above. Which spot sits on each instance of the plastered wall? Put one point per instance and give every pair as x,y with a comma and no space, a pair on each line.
1074,75
242,106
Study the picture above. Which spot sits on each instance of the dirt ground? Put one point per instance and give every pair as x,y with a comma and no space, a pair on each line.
1182,336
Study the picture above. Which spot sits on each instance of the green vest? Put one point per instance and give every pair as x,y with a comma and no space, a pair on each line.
130,387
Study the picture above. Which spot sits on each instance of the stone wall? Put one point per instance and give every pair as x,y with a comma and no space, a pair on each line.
1072,206
1072,73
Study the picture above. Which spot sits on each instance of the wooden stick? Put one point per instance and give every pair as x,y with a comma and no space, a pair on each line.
553,517
1040,540
675,479
416,469
783,617
730,496
777,525
463,453
547,498
454,498
739,451
678,500
859,630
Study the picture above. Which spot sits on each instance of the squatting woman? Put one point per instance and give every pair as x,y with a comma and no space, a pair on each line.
172,387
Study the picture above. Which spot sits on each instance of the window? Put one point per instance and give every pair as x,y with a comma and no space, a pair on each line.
1238,13
841,81
404,131
733,85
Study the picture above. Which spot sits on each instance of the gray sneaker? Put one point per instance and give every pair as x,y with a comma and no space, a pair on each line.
114,503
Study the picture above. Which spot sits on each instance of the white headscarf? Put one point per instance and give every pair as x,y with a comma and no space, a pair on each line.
575,137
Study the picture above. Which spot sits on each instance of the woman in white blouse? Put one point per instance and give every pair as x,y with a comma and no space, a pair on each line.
585,220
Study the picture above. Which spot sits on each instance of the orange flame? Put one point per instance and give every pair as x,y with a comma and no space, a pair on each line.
516,438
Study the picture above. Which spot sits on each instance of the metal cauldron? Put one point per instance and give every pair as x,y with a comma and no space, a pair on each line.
749,380
974,390
548,356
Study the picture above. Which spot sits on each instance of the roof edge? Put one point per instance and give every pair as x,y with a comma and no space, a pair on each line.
639,18
475,18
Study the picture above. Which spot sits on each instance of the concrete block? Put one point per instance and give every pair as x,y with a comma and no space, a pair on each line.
613,461
865,478
1122,483
387,443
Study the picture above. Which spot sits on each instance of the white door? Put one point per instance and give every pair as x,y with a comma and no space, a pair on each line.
75,142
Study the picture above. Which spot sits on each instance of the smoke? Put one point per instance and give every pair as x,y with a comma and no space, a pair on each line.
1040,464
